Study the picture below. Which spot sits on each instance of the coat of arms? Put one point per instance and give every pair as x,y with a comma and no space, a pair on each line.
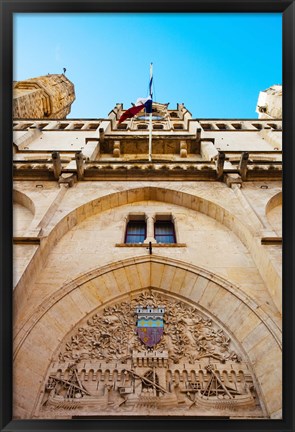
150,324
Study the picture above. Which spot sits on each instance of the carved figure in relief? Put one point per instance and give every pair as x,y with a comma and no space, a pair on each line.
151,353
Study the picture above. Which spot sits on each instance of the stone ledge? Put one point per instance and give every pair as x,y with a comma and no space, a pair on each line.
271,240
27,240
145,245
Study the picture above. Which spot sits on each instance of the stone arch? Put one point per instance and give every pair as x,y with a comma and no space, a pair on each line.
274,201
24,200
210,208
25,209
255,332
273,211
239,226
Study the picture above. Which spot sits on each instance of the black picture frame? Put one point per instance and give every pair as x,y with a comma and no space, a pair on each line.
8,8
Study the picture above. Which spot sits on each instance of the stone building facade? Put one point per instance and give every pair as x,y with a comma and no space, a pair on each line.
147,287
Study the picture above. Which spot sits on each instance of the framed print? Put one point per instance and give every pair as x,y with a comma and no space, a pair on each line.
147,215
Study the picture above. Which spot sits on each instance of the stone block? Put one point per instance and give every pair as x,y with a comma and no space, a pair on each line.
178,280
167,278
199,288
144,273
91,290
212,289
156,274
122,280
188,283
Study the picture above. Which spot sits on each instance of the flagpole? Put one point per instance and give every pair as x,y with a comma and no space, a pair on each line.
150,137
151,114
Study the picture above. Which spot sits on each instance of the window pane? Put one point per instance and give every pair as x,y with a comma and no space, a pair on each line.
130,238
135,232
164,232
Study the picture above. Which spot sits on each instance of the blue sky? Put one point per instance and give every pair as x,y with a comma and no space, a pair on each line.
215,64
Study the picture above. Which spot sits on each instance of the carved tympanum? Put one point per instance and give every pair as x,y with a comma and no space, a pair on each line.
105,367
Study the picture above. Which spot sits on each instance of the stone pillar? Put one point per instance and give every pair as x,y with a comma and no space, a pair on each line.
150,229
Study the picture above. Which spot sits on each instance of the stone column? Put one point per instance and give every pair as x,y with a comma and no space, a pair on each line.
150,229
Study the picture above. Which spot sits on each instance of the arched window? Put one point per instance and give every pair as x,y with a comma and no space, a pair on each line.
135,231
164,231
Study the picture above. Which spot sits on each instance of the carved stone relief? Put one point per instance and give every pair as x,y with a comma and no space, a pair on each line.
106,368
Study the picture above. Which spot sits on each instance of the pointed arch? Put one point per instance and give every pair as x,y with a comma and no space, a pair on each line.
255,332
237,224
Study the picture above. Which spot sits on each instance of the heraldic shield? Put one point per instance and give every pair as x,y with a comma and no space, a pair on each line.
150,324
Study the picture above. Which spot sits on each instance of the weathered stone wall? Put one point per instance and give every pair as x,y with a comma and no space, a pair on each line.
87,199
49,96
29,104
82,230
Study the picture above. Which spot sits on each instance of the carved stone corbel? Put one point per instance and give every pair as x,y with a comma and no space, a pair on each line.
220,164
57,167
243,165
80,165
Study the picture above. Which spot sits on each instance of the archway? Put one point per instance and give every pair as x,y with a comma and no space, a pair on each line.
246,324
237,224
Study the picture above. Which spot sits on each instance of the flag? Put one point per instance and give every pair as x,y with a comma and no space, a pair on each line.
140,104
147,102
